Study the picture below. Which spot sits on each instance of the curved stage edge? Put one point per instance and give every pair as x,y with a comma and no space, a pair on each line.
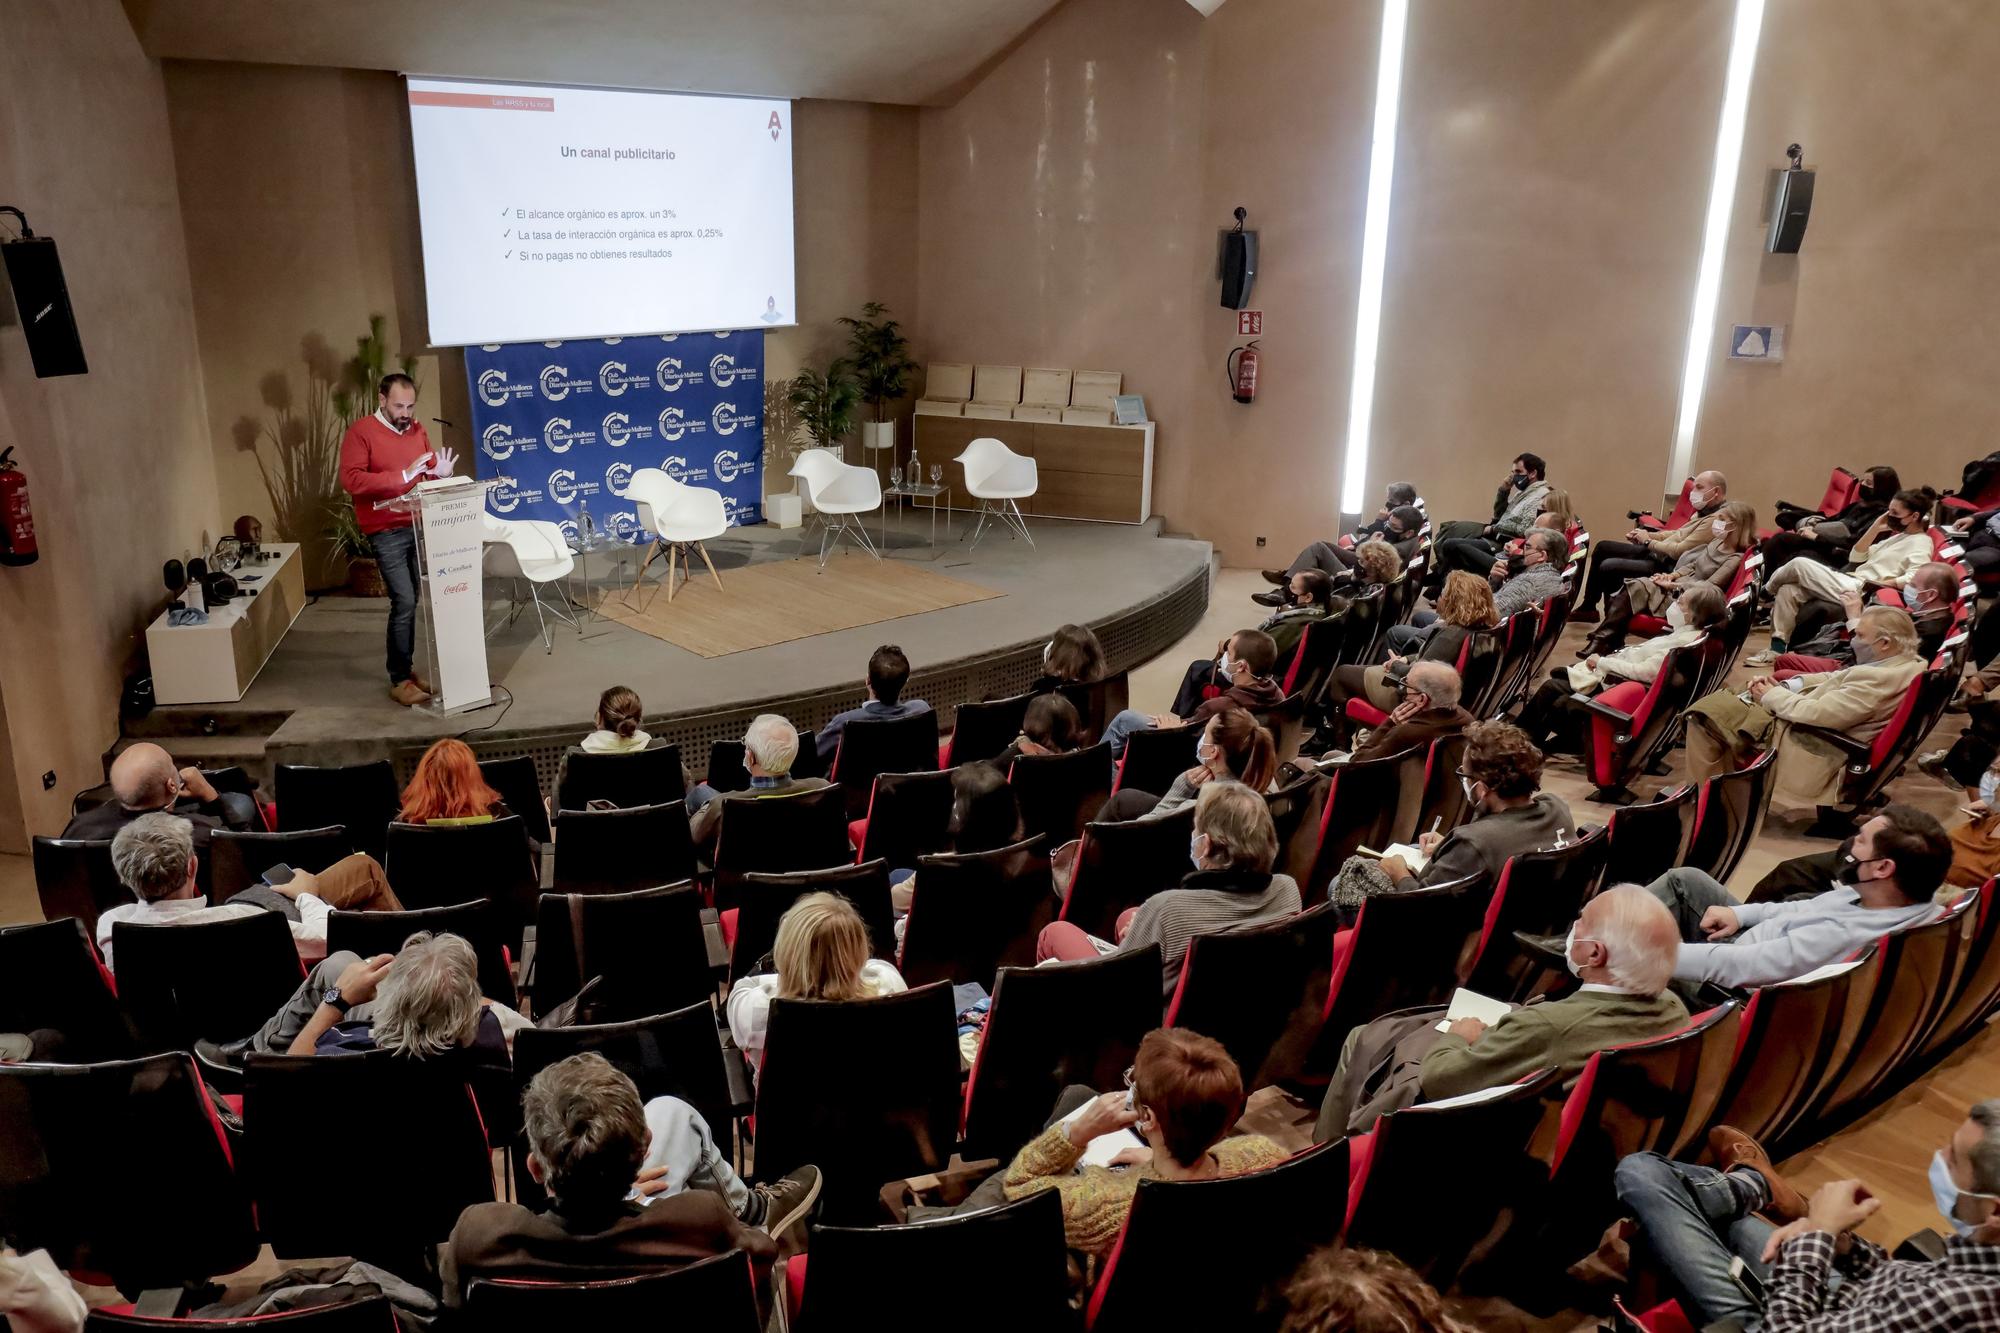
321,699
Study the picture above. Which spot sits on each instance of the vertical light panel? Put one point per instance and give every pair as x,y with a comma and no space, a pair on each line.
1743,39
1374,252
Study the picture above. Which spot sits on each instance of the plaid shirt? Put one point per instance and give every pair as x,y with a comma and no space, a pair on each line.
1881,1295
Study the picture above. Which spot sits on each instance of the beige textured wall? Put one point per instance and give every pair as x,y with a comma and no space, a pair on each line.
120,478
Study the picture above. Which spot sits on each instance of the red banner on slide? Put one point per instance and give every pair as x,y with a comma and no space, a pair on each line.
483,101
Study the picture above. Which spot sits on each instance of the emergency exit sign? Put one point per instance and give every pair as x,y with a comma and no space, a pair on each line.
1249,323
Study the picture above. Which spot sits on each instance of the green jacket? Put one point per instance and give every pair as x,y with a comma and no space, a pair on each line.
1561,1033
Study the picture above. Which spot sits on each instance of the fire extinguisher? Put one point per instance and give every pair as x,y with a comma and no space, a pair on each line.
1242,369
17,525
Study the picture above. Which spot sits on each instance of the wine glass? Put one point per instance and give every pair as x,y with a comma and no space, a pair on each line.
895,475
937,473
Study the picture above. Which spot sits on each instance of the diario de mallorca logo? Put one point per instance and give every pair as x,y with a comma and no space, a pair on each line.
499,442
670,375
495,391
557,383
559,438
571,534
619,430
613,379
623,524
564,488
507,496
674,424
723,370
729,465
617,477
677,467
727,420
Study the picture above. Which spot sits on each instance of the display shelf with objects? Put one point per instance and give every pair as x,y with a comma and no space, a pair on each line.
1089,467
214,662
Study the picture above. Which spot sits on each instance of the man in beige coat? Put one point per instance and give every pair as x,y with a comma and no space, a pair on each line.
1724,732
1646,551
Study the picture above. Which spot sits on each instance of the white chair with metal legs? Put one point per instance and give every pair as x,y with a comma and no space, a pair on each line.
531,551
682,519
839,492
998,477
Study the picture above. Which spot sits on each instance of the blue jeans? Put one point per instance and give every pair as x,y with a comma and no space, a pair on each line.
1124,725
682,1143
1408,640
699,795
396,552
1695,1220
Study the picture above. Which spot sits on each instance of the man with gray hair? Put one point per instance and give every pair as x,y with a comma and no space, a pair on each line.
1430,710
1816,1273
155,858
1621,949
770,746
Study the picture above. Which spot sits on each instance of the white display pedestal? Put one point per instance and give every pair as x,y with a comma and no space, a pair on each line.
785,509
214,663
451,606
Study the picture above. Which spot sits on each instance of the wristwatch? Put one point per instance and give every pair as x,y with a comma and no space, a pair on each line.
334,999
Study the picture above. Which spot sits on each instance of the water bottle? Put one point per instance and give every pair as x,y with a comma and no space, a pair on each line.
916,472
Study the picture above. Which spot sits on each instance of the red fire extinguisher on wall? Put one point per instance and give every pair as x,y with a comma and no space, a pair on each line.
1242,368
17,525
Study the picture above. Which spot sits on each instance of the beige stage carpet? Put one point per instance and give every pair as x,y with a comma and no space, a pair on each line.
782,600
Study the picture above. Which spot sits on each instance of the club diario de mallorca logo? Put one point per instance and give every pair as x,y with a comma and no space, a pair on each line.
677,467
723,370
729,465
507,496
559,438
617,477
727,420
623,524
674,424
619,430
564,488
499,442
495,391
670,375
558,384
613,379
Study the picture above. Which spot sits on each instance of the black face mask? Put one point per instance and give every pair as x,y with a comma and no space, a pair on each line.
1521,480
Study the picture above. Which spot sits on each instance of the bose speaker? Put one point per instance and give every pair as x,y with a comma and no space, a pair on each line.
1791,204
1239,268
42,297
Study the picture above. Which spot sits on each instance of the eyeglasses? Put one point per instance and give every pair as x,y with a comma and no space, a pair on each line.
1131,1089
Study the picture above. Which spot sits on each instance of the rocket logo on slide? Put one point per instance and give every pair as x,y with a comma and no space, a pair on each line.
776,127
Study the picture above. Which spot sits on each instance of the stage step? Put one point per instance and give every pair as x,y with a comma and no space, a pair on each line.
200,720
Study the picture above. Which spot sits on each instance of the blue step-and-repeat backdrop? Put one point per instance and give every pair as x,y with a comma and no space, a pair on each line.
566,424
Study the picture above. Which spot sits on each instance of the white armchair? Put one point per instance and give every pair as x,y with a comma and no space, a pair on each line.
531,551
839,492
998,477
682,519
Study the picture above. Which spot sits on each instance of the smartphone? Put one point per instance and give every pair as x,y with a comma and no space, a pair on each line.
279,874
1746,1277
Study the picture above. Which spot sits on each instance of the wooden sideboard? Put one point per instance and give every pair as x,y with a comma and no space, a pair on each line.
1104,473
215,662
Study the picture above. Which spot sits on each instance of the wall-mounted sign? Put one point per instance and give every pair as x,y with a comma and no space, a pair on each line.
1757,342
1249,323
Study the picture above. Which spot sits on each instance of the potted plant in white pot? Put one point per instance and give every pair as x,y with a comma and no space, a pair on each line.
880,355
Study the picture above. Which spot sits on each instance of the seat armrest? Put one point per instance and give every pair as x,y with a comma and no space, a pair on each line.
1723,1326
1603,710
1924,1246
742,1089
1855,750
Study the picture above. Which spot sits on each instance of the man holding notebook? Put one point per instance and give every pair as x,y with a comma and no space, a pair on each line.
1621,949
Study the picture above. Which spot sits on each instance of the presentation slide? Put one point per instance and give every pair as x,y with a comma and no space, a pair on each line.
586,213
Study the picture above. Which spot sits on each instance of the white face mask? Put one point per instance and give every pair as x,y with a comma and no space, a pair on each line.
1676,618
1047,648
1720,527
1699,499
1226,667
1195,847
1468,784
1946,1192
1569,943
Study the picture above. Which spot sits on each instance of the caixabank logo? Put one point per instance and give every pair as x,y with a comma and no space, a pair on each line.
557,383
675,423
613,379
723,370
560,438
729,465
617,478
508,495
727,419
619,431
495,391
565,489
499,442
670,374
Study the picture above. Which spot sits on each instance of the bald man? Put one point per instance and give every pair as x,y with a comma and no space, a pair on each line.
1622,949
1646,552
144,779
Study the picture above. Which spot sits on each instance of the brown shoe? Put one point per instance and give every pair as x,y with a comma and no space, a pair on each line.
409,694
1732,1147
421,683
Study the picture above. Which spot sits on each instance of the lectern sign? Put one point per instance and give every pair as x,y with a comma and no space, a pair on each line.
452,527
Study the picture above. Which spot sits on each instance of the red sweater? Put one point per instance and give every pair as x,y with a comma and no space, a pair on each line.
373,459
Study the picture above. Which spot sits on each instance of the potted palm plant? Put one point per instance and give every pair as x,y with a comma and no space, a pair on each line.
826,402
880,356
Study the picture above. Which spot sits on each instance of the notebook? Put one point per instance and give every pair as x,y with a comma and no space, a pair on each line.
1100,1150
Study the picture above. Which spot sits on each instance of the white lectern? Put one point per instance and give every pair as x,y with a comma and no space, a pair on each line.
451,621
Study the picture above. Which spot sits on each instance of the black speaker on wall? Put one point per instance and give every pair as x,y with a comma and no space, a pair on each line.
1236,264
40,294
1791,205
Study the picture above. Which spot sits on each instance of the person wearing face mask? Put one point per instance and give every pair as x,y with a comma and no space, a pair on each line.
1816,1273
1888,554
1401,529
1646,552
1621,951
1527,575
1312,599
1429,710
1231,888
1731,532
383,456
1233,748
1514,511
1073,656
1931,598
1554,719
1239,677
1809,533
1889,882
1725,732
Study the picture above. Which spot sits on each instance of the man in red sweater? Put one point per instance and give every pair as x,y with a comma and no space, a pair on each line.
383,456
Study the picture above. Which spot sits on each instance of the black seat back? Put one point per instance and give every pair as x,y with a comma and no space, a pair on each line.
908,817
1480,654
1123,863
1650,839
1098,701
238,860
73,877
1361,630
1052,1027
1012,1256
715,1295
1510,675
362,798
652,776
435,865
1363,800
1728,811
873,745
1408,950
66,1186
478,923
975,912
616,851
1154,757
763,900
982,730
1539,893
804,830
647,945
867,1090
1261,992
1059,793
1786,1043
1444,803
520,789
1294,815
216,979
51,979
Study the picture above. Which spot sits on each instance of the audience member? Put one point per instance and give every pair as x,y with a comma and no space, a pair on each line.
1898,861
1342,1290
888,672
1185,1096
619,713
1809,533
1465,604
1887,554
1816,1274
1978,535
1972,755
1233,747
1931,598
1430,709
1515,505
821,953
1231,888
1072,657
985,815
1558,511
155,858
1050,726
770,745
1646,552
1312,601
1239,677
1724,732
1519,580
1733,530
1396,495
589,1140
1552,717
448,788
1621,948
144,780
1400,528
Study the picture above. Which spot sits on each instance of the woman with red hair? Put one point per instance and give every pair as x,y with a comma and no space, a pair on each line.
448,788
